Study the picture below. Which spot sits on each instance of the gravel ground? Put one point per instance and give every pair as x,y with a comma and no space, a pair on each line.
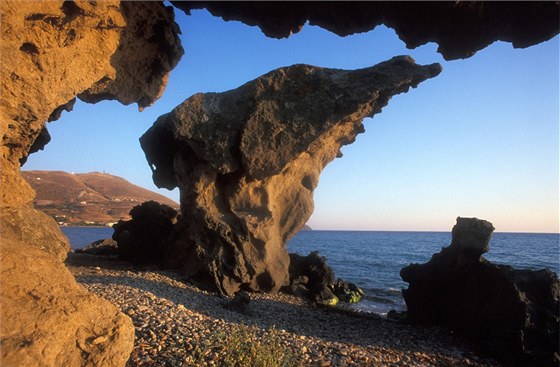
174,321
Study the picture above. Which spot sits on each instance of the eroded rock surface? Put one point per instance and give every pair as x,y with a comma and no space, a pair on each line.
247,161
59,50
47,319
460,28
512,314
35,229
52,52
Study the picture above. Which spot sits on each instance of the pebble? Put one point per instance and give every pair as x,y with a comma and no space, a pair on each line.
174,322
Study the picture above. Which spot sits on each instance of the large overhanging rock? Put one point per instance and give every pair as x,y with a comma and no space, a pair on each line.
53,51
247,161
460,28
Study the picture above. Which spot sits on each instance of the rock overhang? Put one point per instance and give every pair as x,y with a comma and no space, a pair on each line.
247,161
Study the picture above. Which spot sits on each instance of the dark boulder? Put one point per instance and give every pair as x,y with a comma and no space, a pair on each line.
141,240
103,247
347,292
312,278
511,314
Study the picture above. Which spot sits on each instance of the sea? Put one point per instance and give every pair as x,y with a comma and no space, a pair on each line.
373,259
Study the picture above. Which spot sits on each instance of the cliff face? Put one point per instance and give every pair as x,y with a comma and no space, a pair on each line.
247,162
53,52
88,198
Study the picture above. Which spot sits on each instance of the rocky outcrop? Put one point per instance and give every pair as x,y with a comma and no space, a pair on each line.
460,28
142,239
53,52
347,292
35,229
313,279
47,319
247,161
59,50
310,277
103,247
512,314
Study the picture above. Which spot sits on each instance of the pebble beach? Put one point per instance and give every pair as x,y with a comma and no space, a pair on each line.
177,324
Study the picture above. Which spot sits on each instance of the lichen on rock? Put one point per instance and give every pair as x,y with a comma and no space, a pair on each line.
247,161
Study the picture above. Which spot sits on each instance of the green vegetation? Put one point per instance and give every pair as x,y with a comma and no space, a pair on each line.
244,346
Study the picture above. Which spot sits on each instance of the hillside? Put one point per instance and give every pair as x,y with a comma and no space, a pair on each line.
88,198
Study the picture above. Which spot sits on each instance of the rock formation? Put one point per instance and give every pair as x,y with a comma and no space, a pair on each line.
101,247
60,50
53,52
34,228
512,314
247,161
310,277
47,319
141,240
460,28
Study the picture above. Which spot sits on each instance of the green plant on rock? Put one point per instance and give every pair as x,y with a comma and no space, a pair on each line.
244,346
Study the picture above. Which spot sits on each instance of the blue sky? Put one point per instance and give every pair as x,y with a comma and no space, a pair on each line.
481,139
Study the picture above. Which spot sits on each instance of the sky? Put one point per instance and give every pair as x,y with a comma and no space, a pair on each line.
479,140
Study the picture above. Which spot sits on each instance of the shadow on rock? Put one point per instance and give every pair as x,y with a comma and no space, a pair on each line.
511,314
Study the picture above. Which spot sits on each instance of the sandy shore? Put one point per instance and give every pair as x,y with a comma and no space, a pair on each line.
175,321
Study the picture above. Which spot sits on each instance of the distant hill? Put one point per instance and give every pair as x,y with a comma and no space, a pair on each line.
88,198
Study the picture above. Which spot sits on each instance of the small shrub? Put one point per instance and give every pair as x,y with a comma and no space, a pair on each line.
245,346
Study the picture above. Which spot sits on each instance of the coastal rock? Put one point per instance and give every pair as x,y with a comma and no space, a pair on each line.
59,50
103,247
47,319
460,28
312,278
141,240
63,49
512,314
247,161
35,229
347,292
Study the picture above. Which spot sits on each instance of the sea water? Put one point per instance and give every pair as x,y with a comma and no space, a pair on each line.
373,260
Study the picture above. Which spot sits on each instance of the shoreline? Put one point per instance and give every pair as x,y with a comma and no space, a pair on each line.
175,322
84,226
362,230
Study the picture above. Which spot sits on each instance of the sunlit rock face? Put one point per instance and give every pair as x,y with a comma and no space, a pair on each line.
460,28
59,50
53,52
247,161
47,319
512,314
